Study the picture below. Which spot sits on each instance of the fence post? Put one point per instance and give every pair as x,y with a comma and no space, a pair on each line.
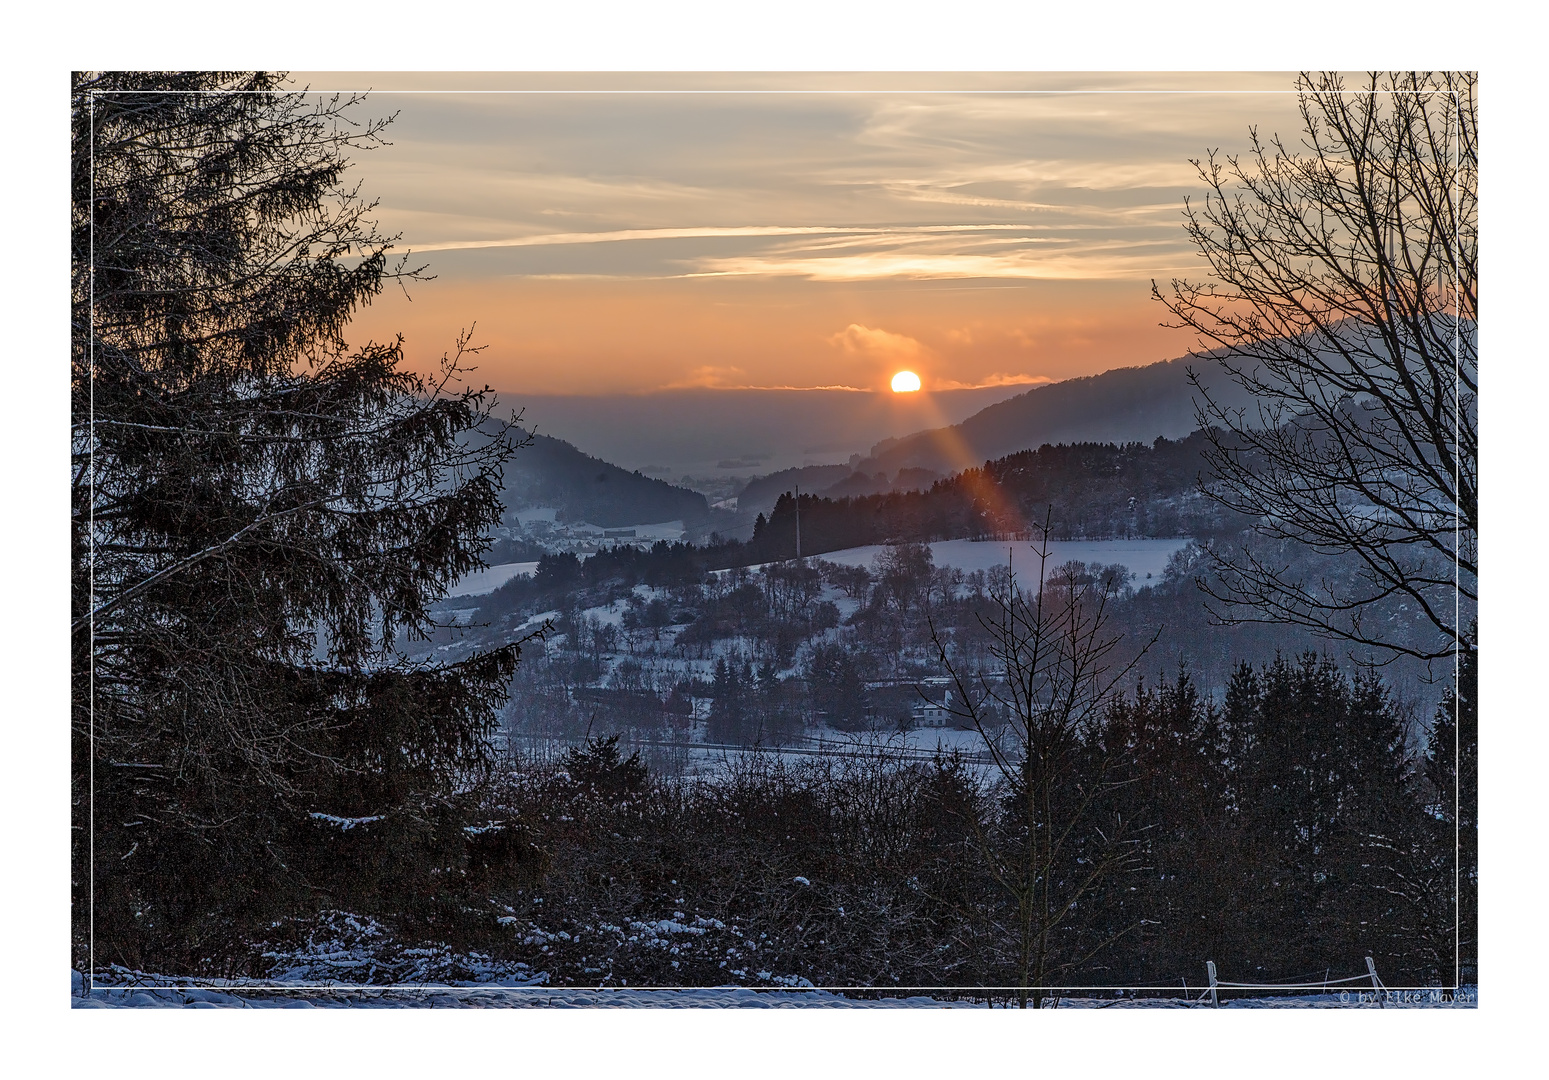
1376,983
1210,969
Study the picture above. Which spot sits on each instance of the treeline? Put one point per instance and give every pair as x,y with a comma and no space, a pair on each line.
1082,491
563,579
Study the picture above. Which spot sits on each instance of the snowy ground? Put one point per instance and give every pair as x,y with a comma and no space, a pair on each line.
155,992
351,961
1146,559
670,531
491,578
919,744
921,740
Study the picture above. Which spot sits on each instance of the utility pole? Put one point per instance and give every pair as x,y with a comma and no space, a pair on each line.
798,522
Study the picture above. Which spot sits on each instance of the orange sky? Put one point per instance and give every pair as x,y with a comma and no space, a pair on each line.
620,336
744,230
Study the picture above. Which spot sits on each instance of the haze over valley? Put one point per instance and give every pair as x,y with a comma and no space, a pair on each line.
716,433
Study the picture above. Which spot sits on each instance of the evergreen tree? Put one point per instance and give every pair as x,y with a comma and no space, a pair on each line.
1173,750
838,689
729,710
259,515
1335,860
1060,840
1452,768
599,769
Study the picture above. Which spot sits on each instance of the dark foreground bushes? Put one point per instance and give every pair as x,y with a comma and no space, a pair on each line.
826,871
1291,829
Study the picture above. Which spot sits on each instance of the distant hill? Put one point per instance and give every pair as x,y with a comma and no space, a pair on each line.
829,481
1119,406
761,494
1083,491
551,472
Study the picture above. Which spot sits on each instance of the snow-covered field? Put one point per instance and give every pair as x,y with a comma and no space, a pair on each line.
661,530
490,578
1146,559
918,744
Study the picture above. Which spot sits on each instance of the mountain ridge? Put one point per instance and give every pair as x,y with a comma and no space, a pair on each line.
555,473
1121,405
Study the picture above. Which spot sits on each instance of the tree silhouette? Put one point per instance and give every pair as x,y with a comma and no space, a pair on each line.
1053,676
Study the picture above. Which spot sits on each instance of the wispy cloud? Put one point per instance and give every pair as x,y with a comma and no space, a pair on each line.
1052,251
719,242
706,232
1000,378
708,377
735,378
1085,263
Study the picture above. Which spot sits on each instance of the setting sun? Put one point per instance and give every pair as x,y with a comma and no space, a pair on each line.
905,382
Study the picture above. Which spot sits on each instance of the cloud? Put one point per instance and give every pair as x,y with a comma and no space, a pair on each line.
732,378
1000,378
708,377
1130,244
707,232
1138,260
880,345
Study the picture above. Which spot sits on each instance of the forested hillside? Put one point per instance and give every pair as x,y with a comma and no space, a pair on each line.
1082,491
551,472
1121,406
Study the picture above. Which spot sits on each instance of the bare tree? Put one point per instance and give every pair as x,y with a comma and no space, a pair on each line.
1053,846
1343,298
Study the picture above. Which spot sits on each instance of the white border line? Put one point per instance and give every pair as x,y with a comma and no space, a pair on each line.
439,988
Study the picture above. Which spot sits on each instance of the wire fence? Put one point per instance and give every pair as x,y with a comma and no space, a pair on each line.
1217,984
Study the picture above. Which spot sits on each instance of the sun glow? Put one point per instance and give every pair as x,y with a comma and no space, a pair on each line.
905,382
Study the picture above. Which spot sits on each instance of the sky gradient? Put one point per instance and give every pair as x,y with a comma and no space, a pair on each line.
627,234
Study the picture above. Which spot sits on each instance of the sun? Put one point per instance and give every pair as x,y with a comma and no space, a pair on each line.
905,382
